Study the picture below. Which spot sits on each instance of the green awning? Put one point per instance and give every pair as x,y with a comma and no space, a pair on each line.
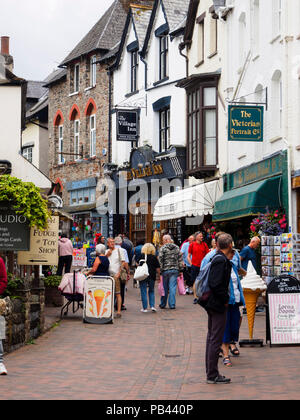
249,200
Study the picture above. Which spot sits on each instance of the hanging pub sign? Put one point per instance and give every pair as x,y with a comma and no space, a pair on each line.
14,231
128,125
246,123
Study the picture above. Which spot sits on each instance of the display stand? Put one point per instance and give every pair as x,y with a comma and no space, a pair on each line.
99,300
283,304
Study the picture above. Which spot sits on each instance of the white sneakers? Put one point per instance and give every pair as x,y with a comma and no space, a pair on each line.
153,310
3,370
144,311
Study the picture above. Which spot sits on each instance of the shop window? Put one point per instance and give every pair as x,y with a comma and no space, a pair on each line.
164,129
83,196
27,153
202,128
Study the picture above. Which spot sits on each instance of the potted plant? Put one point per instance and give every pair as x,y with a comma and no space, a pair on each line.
53,296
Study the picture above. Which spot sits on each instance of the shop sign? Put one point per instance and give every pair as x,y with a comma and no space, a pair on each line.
284,310
43,245
145,172
79,258
266,168
127,126
14,231
245,123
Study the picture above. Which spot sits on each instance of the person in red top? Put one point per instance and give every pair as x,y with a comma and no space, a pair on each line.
3,285
197,251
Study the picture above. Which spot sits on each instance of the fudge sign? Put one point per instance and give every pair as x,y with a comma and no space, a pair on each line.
43,246
127,125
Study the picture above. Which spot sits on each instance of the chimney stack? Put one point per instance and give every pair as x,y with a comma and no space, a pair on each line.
5,45
9,61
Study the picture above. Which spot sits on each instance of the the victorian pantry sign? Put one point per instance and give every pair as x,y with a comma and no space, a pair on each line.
246,123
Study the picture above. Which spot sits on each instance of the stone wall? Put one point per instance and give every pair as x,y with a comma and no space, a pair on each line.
62,101
25,318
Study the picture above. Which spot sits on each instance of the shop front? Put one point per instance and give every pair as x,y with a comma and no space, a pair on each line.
140,183
250,191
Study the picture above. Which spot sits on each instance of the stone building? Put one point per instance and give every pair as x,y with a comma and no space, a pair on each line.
79,120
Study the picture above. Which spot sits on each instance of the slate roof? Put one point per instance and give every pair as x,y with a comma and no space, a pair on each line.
35,90
176,12
141,18
103,36
54,77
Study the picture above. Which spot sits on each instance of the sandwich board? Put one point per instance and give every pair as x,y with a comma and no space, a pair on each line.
99,299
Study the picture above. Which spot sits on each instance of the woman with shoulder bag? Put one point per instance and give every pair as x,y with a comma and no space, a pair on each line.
148,285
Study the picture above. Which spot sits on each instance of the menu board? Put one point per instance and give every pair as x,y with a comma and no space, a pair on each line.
283,296
284,312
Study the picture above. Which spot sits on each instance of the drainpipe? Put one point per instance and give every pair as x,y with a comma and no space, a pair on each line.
181,47
146,76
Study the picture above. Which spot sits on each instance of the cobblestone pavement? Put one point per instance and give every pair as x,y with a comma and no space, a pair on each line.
146,356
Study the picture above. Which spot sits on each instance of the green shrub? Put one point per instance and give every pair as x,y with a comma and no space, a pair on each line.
13,284
52,281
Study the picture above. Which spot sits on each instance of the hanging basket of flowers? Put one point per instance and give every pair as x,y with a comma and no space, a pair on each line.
272,223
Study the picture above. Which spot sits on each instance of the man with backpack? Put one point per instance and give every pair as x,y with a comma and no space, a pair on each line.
215,303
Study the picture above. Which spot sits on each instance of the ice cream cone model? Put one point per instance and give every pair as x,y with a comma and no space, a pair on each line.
99,297
253,286
251,297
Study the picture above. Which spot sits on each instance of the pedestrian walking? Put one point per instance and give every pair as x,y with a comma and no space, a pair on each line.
187,265
197,251
213,244
65,253
137,253
149,255
216,307
101,264
233,321
248,253
128,246
119,245
3,285
171,263
117,262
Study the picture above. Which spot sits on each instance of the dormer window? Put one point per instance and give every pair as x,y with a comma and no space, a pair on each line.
163,57
132,50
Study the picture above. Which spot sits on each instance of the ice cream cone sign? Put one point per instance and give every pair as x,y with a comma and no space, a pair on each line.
253,286
99,297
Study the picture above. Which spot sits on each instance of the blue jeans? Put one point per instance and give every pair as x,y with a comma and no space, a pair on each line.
170,285
144,285
1,352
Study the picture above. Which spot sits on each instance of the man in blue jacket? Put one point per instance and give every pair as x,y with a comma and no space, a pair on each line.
216,307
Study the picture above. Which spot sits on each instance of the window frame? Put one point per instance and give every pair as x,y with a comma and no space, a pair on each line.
163,56
61,159
93,71
93,136
196,115
76,140
25,153
166,130
76,81
134,66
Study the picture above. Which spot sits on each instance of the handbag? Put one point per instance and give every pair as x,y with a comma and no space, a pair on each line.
142,271
161,289
181,288
123,271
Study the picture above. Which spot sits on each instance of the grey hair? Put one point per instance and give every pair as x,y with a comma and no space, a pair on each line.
224,241
118,240
100,249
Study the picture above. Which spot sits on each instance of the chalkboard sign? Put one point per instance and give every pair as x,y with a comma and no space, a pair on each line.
283,318
14,232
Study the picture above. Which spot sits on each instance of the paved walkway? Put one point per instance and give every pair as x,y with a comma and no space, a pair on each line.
145,356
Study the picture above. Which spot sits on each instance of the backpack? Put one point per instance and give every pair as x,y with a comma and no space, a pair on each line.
202,289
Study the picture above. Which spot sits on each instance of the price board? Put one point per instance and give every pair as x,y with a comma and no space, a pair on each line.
283,318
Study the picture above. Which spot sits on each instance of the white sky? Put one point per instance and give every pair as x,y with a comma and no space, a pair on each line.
43,32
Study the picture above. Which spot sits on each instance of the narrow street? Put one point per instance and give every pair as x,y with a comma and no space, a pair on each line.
145,357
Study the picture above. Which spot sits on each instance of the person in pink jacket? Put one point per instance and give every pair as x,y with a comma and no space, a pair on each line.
3,285
65,253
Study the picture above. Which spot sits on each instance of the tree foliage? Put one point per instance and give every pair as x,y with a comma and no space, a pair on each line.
25,198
